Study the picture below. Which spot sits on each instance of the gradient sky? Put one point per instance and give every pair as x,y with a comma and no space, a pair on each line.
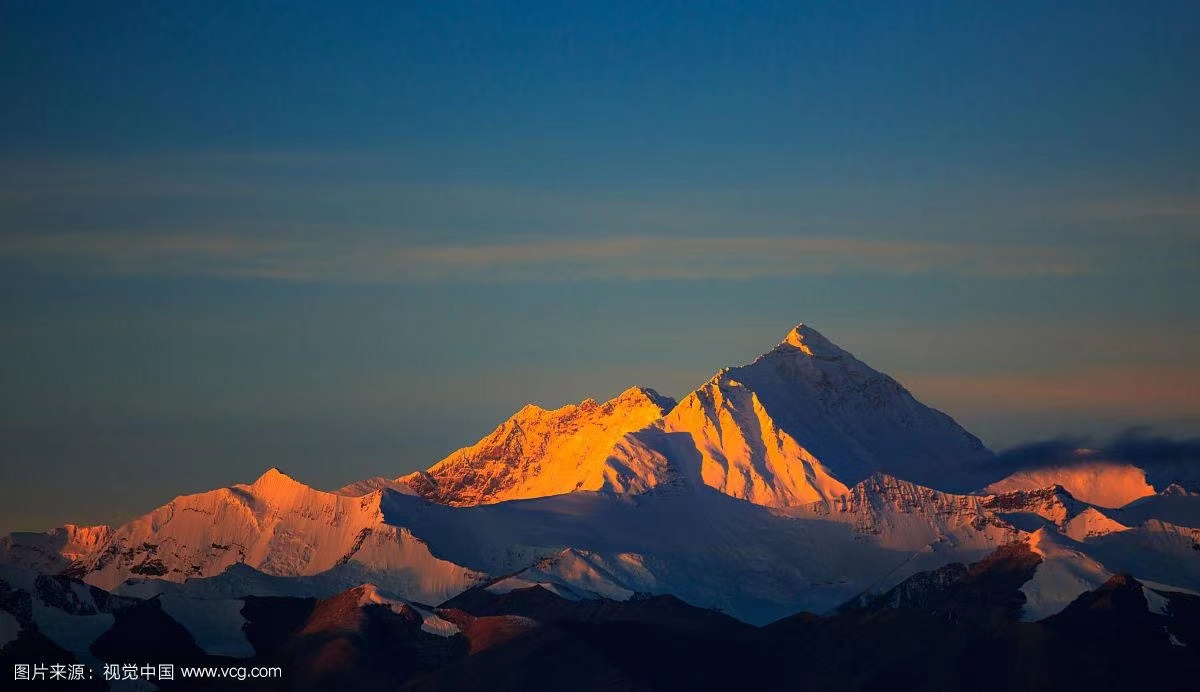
347,240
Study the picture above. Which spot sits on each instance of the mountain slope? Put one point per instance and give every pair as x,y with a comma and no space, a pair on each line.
358,639
281,527
956,629
803,422
709,549
537,453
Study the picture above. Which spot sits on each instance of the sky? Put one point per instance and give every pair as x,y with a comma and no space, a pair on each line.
346,240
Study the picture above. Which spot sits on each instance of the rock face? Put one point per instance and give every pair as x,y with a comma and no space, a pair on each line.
53,550
538,452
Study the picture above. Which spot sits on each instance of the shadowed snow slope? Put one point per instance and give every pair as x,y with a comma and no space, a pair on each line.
753,562
803,422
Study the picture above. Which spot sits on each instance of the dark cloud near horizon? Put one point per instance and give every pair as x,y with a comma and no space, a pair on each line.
1165,459
1139,446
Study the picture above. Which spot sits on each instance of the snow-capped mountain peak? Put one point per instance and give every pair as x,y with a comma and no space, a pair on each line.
280,527
805,421
802,422
274,482
539,452
643,396
808,341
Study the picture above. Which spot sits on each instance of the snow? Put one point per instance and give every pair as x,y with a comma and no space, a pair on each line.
788,433
855,418
1157,551
709,549
75,633
810,342
1177,490
1172,505
1064,574
433,624
280,527
741,451
1030,510
802,423
1155,602
1091,522
538,453
1167,588
215,624
53,550
575,575
530,578
369,594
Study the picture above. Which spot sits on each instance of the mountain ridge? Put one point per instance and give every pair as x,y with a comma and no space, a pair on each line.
539,452
790,483
803,421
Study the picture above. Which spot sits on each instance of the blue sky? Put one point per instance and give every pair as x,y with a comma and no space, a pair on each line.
346,240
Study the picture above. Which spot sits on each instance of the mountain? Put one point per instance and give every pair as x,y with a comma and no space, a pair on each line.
802,422
62,620
758,494
955,627
638,543
756,563
538,452
279,537
279,526
359,639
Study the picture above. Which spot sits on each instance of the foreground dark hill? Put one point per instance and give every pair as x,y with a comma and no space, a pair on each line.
956,627
951,629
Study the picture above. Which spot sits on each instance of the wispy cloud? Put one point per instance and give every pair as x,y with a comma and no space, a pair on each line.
1182,207
1122,392
376,259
